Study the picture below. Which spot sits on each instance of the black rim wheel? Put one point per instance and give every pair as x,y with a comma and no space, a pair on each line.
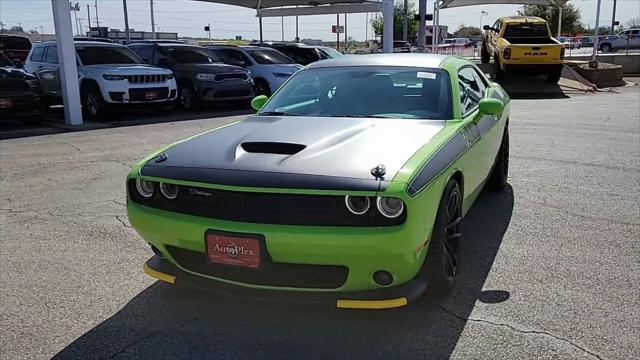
453,233
92,104
186,99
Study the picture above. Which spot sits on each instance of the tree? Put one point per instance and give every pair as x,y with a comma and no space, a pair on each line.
634,22
570,17
398,18
467,31
16,29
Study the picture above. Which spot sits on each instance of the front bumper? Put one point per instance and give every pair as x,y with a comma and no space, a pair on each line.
385,298
225,91
123,92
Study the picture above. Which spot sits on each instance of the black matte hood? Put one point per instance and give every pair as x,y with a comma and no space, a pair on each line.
14,79
306,152
211,68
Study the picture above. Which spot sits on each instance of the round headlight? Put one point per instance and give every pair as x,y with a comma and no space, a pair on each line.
358,205
145,188
170,191
390,207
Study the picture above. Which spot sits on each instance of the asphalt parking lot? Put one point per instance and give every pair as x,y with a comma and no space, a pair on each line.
551,267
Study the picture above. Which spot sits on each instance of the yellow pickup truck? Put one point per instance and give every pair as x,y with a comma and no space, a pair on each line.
523,44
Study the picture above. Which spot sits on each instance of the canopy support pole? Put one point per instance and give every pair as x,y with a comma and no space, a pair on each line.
387,15
67,59
594,55
436,26
422,26
559,20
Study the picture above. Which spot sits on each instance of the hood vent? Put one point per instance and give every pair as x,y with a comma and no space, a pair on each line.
272,148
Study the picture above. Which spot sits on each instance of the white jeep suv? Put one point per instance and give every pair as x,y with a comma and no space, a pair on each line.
109,74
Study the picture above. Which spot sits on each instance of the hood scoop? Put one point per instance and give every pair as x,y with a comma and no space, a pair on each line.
279,148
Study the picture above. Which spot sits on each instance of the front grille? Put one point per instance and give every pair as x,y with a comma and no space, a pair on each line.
222,77
227,93
146,79
270,274
141,94
264,208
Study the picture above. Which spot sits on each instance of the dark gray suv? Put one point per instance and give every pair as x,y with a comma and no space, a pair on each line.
200,76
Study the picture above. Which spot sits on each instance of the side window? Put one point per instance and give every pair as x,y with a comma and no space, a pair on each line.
472,88
52,55
497,26
234,57
145,52
38,54
160,54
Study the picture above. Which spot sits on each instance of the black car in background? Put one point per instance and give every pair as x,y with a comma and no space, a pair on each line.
20,95
201,77
305,54
15,47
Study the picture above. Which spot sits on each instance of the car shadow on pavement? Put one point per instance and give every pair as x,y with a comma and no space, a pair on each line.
164,322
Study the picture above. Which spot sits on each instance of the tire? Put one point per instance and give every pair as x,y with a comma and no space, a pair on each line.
262,88
443,257
93,105
554,76
499,73
187,97
485,57
500,173
606,47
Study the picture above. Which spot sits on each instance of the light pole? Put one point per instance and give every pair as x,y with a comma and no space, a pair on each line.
405,21
126,21
613,19
153,23
482,13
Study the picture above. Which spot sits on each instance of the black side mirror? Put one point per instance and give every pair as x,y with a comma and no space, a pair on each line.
18,63
487,27
163,62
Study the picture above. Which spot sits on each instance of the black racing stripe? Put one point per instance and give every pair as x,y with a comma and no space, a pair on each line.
262,179
447,154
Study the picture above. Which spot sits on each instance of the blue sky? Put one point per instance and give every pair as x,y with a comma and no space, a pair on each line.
188,17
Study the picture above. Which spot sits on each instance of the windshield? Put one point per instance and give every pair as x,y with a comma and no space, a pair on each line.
4,61
269,56
97,55
526,30
192,55
331,52
369,91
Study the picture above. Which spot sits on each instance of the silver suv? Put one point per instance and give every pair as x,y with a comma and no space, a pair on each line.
109,74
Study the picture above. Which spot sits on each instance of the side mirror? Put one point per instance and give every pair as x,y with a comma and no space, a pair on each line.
490,106
163,62
487,27
258,102
18,63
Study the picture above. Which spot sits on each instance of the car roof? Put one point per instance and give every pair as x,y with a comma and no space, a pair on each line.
81,43
408,60
522,19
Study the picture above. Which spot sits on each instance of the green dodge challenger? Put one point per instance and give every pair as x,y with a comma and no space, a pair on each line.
349,186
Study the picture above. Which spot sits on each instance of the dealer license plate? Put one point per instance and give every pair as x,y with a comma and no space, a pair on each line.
233,250
5,103
151,95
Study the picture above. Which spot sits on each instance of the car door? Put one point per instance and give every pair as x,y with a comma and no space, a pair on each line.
483,131
48,73
35,60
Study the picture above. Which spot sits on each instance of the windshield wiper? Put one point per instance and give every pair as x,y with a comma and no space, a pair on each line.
365,116
277,113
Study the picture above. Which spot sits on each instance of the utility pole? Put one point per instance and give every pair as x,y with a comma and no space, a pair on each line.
346,39
153,23
613,19
209,31
338,32
405,21
89,17
1,27
297,34
97,19
126,21
282,27
560,20
366,30
75,8
594,55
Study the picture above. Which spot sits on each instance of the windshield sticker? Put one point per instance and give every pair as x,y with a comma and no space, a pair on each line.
426,75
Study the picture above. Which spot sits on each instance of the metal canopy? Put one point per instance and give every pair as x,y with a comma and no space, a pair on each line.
445,4
278,8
